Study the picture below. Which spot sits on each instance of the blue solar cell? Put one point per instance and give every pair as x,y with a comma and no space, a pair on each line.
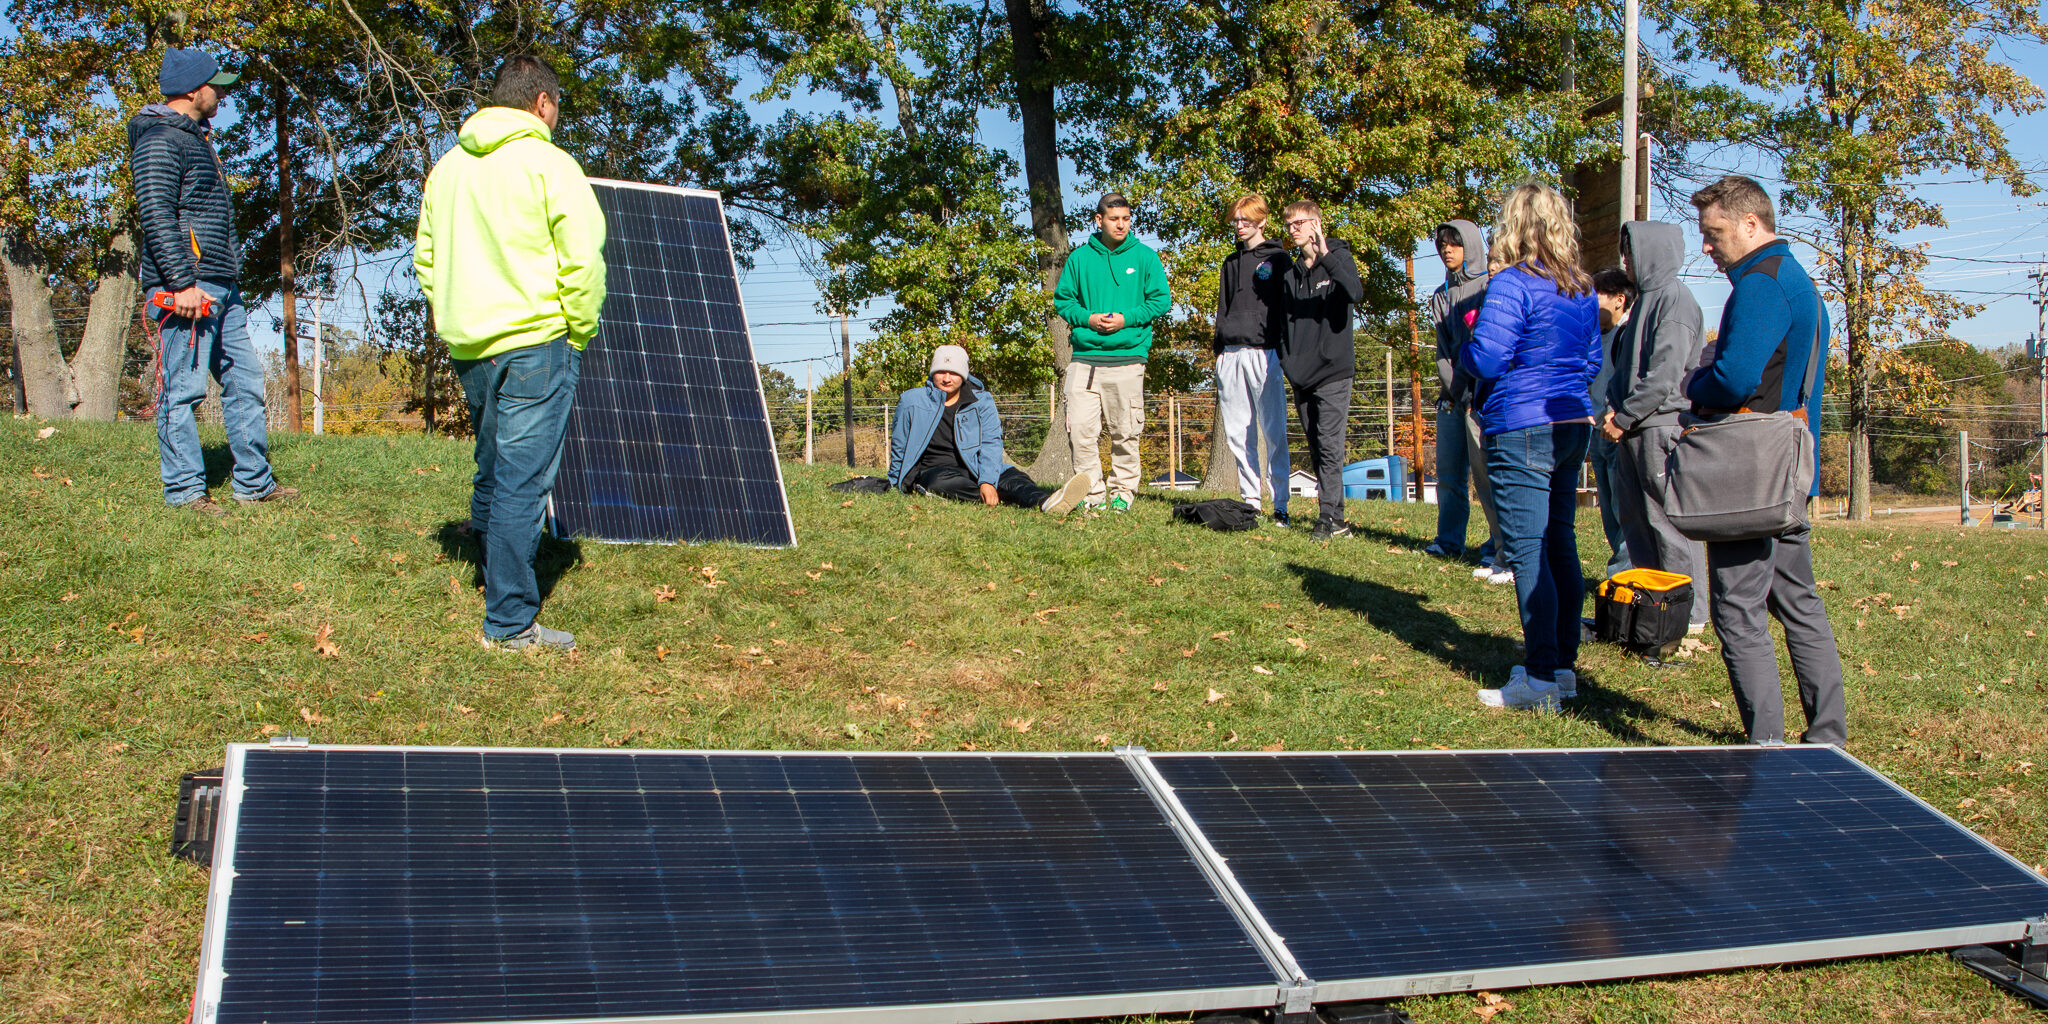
1377,866
672,340
447,886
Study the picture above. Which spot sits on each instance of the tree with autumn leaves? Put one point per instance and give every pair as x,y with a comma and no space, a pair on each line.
1393,114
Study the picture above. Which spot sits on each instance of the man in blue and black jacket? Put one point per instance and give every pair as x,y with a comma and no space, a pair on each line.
1769,328
189,255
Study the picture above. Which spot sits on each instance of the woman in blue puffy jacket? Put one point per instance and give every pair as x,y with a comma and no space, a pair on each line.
1534,349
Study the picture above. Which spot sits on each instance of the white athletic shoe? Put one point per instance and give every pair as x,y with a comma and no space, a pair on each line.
1522,693
1500,577
1567,683
1485,569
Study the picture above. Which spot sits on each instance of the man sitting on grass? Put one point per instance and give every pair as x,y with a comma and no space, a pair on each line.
948,442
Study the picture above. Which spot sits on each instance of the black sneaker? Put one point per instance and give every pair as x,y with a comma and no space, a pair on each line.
1281,519
1327,529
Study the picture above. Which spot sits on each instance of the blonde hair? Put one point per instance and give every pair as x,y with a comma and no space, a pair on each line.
1251,205
1306,207
1537,232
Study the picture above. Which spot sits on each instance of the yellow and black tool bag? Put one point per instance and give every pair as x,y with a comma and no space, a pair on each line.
1642,609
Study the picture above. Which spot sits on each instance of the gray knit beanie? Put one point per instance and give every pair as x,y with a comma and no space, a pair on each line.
950,358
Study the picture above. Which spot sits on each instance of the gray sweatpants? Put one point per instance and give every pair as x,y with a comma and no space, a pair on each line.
1653,543
1751,581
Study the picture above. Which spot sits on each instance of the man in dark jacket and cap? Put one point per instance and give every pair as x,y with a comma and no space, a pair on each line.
1651,356
1251,324
1453,307
1320,359
190,258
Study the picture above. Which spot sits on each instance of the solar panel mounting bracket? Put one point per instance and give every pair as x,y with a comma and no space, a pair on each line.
1297,989
289,742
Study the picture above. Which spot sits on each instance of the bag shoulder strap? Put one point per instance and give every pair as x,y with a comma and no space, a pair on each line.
1820,316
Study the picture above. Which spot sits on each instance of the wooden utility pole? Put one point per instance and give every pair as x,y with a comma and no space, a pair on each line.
1390,400
810,392
2040,276
1414,380
1963,468
287,256
846,364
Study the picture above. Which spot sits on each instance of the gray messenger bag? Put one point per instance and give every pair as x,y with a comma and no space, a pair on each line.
1743,475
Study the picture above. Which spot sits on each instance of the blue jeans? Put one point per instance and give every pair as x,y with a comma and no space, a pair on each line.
1604,455
519,403
219,345
1535,473
1456,449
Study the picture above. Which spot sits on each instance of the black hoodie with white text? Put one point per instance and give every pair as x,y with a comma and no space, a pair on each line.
1251,300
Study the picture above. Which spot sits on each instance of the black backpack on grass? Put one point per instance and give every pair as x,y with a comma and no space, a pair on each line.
1222,514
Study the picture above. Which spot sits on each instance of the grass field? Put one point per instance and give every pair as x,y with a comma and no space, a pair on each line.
138,640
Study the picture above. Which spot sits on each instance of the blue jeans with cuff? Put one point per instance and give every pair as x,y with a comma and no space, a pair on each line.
519,404
1535,474
216,344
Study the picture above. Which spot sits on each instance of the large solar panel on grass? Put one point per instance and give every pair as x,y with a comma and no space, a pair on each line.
668,440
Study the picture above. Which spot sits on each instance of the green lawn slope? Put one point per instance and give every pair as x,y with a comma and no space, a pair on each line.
137,640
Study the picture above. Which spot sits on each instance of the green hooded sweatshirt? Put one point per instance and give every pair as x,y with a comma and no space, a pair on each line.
510,248
1129,280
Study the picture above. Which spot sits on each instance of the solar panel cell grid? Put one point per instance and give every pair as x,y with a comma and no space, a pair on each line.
1377,866
436,886
669,437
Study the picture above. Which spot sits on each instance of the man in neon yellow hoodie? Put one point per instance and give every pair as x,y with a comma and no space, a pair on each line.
510,256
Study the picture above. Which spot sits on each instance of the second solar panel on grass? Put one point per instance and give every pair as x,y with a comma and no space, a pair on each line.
669,439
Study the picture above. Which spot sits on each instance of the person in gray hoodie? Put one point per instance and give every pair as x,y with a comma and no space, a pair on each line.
1453,307
1652,355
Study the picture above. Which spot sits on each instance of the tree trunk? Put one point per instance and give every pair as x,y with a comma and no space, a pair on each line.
45,379
96,366
287,268
1028,22
1220,474
1862,365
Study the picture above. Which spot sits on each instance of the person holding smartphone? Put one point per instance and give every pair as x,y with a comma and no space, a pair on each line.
1319,358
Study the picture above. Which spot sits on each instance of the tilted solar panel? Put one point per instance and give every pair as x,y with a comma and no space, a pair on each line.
379,886
1392,874
668,439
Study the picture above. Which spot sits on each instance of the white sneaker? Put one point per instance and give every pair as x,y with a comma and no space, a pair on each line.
1522,694
1567,683
1070,495
1695,628
1501,576
1485,570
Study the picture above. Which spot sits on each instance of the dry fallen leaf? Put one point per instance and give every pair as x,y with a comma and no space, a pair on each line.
660,653
1491,1005
464,709
73,596
312,717
553,719
255,638
1715,703
323,642
1262,670
1231,738
1019,724
1298,642
299,587
45,433
1104,739
397,557
848,503
1274,747
664,594
1219,636
1214,696
1161,685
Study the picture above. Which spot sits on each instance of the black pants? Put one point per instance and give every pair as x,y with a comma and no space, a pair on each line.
955,484
1324,410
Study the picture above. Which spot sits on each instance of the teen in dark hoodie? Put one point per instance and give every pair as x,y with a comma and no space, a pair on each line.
1651,355
189,252
1251,323
1453,307
1320,359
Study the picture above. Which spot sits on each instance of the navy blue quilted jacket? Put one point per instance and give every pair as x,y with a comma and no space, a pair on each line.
182,198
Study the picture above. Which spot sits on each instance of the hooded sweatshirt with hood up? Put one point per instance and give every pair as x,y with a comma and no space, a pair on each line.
1251,304
1661,342
182,201
1461,294
510,248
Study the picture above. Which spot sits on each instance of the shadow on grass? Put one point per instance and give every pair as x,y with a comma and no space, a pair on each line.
220,464
555,558
1438,634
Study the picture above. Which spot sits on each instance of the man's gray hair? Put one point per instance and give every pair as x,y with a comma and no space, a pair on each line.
522,78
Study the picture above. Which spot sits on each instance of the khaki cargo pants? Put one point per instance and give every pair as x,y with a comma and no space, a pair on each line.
1112,394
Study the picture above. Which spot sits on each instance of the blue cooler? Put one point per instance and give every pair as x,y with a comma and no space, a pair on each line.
1383,479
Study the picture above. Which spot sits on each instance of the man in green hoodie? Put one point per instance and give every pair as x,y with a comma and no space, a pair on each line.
510,254
1110,292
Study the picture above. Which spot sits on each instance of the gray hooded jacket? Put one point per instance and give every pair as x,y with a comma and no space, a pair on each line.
1661,342
1463,291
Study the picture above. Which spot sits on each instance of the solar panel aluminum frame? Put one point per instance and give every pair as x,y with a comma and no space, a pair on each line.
760,390
1725,958
212,975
